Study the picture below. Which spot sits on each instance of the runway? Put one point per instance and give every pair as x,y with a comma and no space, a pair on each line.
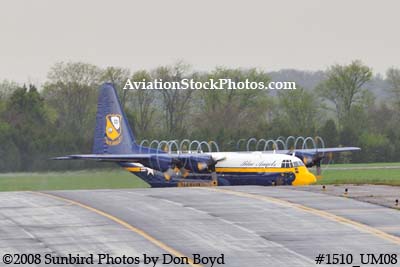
250,226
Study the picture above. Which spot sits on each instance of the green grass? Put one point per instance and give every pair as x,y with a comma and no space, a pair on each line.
378,164
88,179
118,178
375,173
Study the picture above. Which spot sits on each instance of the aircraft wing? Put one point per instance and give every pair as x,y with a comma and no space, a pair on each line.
108,157
133,157
319,150
159,161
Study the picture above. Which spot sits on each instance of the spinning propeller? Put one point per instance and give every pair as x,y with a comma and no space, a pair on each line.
317,159
178,167
311,159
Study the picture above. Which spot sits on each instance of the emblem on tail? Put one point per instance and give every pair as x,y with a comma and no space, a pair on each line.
113,129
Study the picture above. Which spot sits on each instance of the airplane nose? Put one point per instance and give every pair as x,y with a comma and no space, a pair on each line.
304,177
312,178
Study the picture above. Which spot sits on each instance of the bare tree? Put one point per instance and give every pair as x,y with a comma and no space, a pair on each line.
142,104
393,77
7,88
175,102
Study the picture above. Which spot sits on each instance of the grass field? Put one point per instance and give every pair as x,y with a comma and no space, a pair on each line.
368,165
371,173
90,179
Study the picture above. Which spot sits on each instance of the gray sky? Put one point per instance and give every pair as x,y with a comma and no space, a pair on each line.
306,34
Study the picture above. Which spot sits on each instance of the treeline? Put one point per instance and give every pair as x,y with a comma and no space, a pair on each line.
58,118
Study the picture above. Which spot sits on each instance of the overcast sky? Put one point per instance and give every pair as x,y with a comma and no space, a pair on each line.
306,34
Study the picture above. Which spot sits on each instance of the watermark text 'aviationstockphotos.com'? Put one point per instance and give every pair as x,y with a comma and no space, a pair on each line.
211,84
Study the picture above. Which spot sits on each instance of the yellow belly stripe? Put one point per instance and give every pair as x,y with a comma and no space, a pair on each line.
241,169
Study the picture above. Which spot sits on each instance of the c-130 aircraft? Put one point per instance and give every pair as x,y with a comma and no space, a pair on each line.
114,141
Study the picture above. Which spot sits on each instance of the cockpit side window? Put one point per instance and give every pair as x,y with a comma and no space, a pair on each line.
287,164
298,163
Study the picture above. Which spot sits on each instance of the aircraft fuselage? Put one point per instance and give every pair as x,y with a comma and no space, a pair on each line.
236,168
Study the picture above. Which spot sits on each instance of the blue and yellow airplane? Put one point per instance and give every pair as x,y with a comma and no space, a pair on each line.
114,141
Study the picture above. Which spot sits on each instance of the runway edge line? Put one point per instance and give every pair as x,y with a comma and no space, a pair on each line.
359,226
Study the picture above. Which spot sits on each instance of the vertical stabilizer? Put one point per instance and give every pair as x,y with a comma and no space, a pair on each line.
113,134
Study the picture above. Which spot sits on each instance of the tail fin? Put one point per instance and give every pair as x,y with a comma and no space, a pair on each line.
112,133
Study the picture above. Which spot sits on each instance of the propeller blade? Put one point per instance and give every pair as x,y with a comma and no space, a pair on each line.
317,162
201,166
219,160
185,173
214,176
168,174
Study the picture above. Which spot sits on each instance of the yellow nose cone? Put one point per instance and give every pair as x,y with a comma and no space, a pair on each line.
312,178
304,177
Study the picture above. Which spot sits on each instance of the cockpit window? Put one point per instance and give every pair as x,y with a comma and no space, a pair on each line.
287,164
298,163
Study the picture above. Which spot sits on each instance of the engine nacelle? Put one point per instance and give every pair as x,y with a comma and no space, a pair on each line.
199,164
192,163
